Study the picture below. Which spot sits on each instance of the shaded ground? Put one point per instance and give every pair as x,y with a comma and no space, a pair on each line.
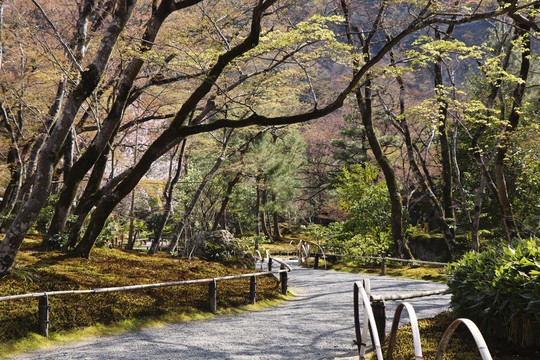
316,324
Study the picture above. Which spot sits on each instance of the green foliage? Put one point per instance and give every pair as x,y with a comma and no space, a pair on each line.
500,290
527,190
214,252
252,240
109,230
366,245
56,241
339,240
317,233
413,231
43,220
153,222
366,200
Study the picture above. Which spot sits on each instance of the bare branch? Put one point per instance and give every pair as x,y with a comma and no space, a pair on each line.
62,42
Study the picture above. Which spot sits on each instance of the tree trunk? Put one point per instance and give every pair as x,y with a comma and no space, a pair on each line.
45,166
168,194
277,231
220,217
475,224
257,211
513,122
264,226
14,185
446,162
396,223
198,192
110,125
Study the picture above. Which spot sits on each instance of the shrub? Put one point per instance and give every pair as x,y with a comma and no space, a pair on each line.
500,290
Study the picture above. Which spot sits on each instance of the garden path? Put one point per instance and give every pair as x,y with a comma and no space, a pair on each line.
316,324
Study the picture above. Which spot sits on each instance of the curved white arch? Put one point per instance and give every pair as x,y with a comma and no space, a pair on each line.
414,326
289,247
475,332
359,290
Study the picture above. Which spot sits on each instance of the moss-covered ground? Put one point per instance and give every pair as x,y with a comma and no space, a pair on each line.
460,347
39,271
417,272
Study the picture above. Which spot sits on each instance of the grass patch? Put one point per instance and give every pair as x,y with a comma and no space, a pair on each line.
77,316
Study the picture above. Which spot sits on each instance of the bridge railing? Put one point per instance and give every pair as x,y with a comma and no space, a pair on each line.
374,320
44,307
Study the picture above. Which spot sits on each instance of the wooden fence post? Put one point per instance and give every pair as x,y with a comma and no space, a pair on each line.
253,289
212,299
269,263
283,278
316,265
379,313
43,315
383,266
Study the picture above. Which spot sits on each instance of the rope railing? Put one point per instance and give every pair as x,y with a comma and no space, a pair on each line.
382,259
391,259
44,307
409,296
375,317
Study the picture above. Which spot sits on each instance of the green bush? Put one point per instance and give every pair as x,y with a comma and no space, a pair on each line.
500,290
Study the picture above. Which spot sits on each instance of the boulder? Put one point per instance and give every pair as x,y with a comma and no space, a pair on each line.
220,246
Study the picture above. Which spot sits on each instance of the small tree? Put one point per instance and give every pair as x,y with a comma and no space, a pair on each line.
367,202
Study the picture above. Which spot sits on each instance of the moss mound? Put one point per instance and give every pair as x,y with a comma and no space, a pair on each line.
38,271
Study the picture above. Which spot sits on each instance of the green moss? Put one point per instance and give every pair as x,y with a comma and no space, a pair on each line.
38,271
424,272
461,346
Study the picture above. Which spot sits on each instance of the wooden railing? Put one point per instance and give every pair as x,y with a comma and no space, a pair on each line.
375,319
44,307
382,260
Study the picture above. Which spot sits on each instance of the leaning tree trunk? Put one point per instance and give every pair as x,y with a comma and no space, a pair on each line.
85,203
45,166
181,225
31,159
14,185
168,194
110,125
220,217
90,198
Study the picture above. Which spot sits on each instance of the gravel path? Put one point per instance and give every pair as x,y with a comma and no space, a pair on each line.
316,324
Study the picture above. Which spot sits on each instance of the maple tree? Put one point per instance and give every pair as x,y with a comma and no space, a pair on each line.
122,63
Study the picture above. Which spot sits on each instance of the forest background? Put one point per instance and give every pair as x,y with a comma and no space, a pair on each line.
377,119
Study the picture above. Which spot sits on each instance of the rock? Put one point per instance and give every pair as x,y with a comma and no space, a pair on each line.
220,246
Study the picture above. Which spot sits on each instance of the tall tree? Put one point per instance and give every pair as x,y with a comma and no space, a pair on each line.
45,166
245,57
